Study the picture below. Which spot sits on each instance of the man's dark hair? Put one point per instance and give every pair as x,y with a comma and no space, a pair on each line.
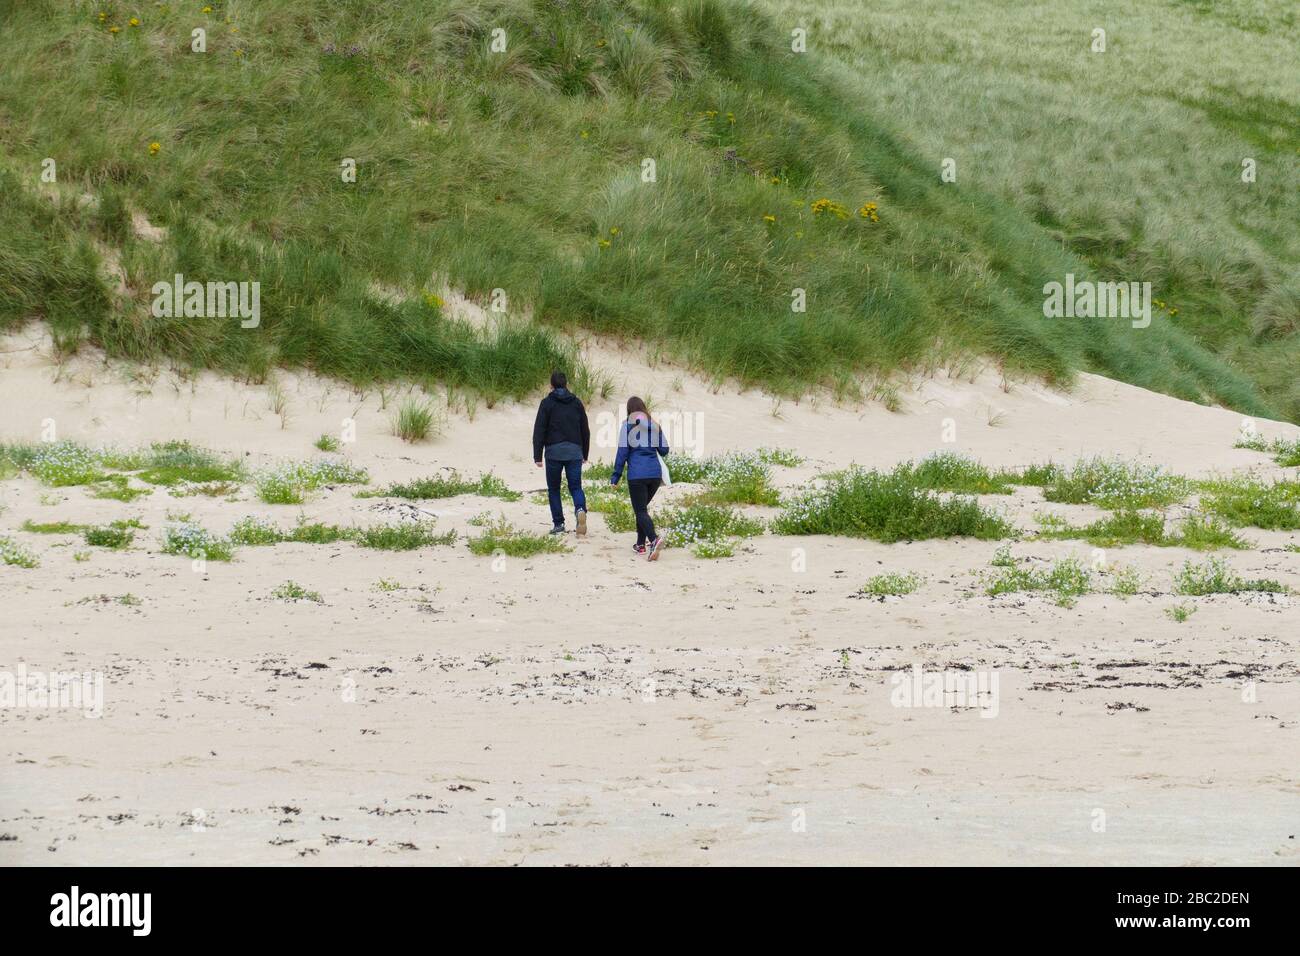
558,379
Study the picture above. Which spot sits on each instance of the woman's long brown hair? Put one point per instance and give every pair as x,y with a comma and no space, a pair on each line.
635,405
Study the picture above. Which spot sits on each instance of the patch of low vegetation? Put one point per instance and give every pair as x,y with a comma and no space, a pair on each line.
1125,581
291,483
696,520
886,507
709,549
948,471
14,554
784,457
1066,579
115,535
1199,532
500,536
256,532
118,488
178,462
194,541
1038,476
327,443
449,485
733,478
406,536
109,536
1208,533
211,489
1285,452
1179,613
292,591
52,527
891,584
126,600
1114,483
64,464
1271,505
1216,577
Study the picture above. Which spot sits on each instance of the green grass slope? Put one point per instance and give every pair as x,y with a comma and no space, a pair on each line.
523,171
1131,158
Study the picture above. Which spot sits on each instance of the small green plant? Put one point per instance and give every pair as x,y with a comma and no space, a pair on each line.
780,456
501,536
253,531
327,443
195,542
415,420
117,488
292,591
891,584
384,584
1067,579
80,556
1002,557
1038,475
1125,581
1181,612
713,549
1215,577
109,536
402,537
14,554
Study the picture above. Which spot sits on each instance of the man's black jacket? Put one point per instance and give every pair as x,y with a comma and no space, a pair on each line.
561,418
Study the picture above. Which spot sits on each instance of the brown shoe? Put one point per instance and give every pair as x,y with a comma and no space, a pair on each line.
582,522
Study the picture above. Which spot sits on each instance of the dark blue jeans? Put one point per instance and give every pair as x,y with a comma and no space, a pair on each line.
573,471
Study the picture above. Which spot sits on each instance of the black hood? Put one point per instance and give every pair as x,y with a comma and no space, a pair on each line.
563,395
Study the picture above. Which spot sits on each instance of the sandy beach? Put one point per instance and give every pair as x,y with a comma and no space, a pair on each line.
592,708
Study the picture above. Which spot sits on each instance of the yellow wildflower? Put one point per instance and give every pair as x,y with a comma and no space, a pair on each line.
153,148
134,21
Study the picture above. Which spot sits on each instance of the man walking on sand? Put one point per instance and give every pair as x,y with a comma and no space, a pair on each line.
561,432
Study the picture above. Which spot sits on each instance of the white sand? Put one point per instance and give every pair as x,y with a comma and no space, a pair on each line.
502,716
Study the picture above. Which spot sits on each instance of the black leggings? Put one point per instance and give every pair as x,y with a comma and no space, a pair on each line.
642,491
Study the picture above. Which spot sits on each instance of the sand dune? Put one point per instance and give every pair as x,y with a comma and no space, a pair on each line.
591,708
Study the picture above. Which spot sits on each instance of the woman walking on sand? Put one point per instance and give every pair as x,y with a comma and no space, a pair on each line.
641,446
